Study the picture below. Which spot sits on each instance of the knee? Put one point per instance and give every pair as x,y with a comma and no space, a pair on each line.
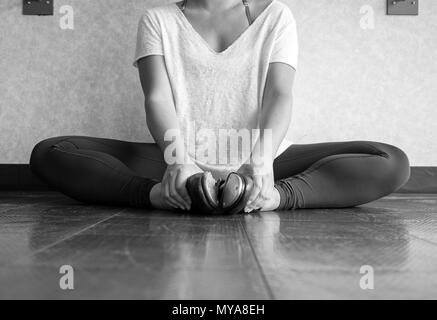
397,171
38,158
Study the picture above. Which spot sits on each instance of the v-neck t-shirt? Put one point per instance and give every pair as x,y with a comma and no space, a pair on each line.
212,90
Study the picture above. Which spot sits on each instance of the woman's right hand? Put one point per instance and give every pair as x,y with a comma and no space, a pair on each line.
173,190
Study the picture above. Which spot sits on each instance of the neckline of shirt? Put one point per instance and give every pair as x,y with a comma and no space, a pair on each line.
234,43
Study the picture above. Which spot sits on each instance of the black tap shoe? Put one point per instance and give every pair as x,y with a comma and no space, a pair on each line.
227,196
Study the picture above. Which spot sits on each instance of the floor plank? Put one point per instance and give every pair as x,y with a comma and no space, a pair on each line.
34,224
143,256
319,255
150,254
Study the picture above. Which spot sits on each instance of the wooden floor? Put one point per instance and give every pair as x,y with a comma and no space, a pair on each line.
130,253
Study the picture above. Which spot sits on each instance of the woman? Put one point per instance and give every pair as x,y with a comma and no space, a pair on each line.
216,65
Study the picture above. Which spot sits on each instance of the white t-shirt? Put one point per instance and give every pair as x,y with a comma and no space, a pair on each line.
218,90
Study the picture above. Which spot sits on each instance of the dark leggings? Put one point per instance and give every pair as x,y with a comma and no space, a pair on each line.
323,175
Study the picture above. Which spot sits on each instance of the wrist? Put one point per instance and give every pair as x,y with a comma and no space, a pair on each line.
175,154
262,152
260,160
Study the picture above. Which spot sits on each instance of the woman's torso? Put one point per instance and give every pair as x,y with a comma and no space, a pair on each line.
215,92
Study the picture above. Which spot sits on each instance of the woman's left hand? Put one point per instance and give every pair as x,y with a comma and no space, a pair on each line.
263,188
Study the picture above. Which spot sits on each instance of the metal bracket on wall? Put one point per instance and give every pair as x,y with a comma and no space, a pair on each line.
38,7
403,7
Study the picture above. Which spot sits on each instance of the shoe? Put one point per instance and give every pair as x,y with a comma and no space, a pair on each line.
227,196
235,192
202,189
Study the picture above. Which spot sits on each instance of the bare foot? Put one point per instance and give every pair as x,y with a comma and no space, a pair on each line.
273,203
158,203
156,198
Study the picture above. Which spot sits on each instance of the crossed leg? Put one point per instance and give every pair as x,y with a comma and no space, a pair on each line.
99,171
323,175
338,174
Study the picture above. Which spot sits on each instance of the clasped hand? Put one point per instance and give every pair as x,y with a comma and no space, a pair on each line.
263,189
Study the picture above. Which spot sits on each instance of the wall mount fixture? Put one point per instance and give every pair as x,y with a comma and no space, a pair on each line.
403,7
38,7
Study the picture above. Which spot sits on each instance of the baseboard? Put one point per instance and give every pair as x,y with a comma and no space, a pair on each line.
19,177
422,180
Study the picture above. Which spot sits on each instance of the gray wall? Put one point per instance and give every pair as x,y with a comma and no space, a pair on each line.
378,84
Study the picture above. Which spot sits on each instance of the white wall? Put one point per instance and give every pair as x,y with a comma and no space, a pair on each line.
378,84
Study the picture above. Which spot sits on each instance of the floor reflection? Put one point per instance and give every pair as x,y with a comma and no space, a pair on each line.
315,244
171,258
318,254
129,253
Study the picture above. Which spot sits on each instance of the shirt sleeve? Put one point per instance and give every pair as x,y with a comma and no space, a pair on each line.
285,46
149,40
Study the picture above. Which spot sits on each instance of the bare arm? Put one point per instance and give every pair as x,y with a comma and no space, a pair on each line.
161,118
277,104
159,104
276,116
